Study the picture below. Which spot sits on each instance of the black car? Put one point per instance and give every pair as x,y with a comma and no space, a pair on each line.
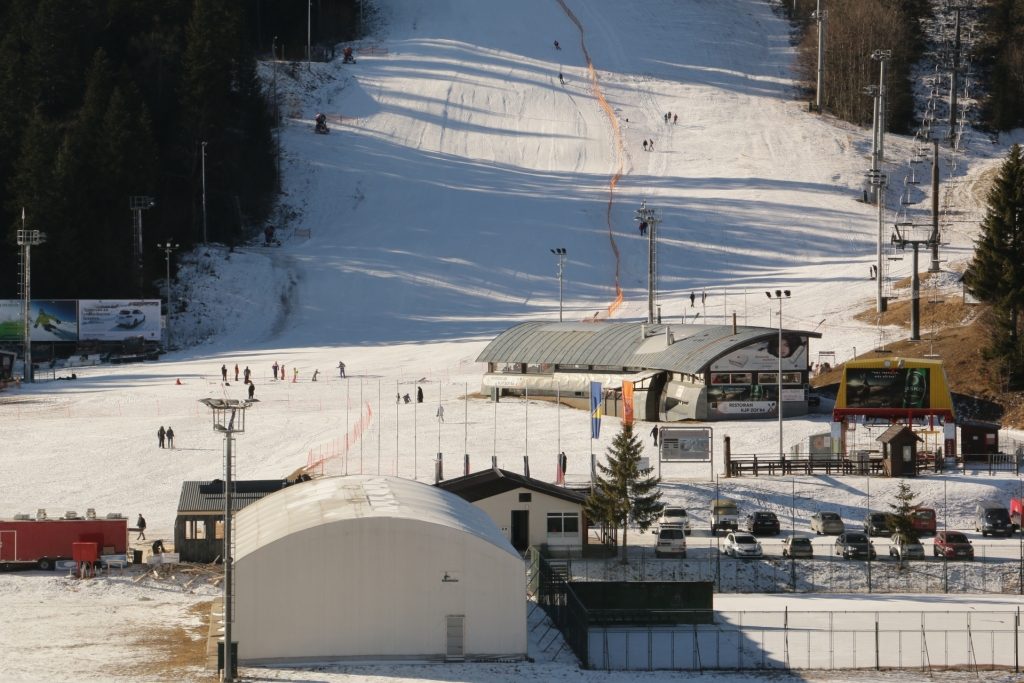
877,524
854,544
762,522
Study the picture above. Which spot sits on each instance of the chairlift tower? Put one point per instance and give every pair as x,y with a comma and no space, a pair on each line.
881,56
649,216
905,234
26,240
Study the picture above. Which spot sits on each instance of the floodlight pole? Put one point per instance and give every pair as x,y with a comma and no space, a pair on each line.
648,216
168,247
309,35
560,252
779,295
881,56
26,240
139,203
204,189
819,16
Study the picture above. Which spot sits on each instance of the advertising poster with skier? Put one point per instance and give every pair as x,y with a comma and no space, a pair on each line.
764,355
118,319
50,320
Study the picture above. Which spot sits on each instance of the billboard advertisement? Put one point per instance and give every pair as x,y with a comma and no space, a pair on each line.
764,355
738,400
887,387
685,445
50,320
117,319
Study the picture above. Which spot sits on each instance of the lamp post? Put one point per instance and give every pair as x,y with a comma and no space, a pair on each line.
26,240
560,252
228,419
139,203
647,219
168,247
779,295
204,190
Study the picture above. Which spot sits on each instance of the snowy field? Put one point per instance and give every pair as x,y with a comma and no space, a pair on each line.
455,161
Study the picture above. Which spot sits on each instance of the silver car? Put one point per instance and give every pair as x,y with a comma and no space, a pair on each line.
902,548
741,544
827,522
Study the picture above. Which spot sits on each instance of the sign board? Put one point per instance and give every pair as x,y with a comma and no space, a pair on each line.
792,395
887,387
680,444
764,355
118,319
50,320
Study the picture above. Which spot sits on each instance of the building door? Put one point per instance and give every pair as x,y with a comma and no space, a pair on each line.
454,649
520,530
8,546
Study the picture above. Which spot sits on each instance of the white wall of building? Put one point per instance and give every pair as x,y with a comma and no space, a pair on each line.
499,508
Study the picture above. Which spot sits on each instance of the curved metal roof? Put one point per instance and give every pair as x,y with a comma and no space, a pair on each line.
629,345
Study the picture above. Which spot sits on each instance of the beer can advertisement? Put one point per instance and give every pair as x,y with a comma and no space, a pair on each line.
50,320
887,387
117,319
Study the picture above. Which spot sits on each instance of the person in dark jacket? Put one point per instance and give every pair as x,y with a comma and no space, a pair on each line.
655,432
160,434
252,390
224,373
170,438
247,374
141,524
419,394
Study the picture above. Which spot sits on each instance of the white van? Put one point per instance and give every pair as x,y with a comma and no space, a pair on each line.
671,542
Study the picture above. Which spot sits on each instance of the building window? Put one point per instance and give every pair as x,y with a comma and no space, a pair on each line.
195,529
525,497
563,524
218,532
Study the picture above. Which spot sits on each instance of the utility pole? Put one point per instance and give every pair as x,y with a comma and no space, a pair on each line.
204,190
882,56
819,97
934,268
139,203
560,253
648,220
26,240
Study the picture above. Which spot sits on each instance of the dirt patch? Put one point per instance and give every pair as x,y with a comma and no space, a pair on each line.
174,652
957,334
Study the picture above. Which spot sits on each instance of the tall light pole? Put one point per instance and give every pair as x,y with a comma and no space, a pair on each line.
881,56
648,220
139,203
204,190
779,295
560,252
26,240
228,419
819,16
168,247
309,35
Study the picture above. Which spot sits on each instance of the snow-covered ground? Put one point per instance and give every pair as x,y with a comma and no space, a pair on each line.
456,161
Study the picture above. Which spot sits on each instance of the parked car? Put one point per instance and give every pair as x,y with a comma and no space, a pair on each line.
739,544
827,522
903,548
923,520
724,515
672,516
952,545
762,522
130,317
877,524
671,542
797,546
1016,510
991,517
855,544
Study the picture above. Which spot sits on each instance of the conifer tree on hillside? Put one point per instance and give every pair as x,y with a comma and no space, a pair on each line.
624,492
900,519
996,273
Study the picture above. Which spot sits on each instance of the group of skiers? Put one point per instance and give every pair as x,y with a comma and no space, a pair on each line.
165,436
404,398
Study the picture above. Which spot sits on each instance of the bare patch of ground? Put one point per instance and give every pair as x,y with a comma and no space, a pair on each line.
175,653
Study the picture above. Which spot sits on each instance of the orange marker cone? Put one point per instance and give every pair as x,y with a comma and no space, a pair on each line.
178,381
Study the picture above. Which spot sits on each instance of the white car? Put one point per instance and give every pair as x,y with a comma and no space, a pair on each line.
130,317
741,544
674,517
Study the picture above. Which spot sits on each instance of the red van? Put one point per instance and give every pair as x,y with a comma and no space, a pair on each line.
923,520
1016,508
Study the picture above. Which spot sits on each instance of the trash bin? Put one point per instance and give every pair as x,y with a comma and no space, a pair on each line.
234,658
136,556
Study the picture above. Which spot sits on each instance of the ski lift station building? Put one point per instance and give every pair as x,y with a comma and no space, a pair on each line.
676,372
373,567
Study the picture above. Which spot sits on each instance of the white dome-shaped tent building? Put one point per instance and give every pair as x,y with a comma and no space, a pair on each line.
370,567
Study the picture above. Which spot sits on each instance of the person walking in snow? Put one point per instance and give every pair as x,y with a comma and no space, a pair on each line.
160,434
655,432
236,372
557,46
141,524
645,144
274,368
315,373
650,145
224,373
295,375
247,373
341,369
170,438
252,390
419,394
407,399
561,78
675,119
440,413
283,376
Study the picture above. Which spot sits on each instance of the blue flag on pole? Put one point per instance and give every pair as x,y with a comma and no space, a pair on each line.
595,410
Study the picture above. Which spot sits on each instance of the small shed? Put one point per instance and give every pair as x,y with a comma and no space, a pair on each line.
199,526
528,511
899,451
978,439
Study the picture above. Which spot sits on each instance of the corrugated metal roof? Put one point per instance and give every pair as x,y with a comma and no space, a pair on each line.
693,347
208,496
491,482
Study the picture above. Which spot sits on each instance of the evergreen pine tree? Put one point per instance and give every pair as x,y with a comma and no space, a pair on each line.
996,273
900,519
624,492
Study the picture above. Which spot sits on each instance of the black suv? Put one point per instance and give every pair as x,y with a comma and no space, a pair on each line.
854,544
763,522
877,524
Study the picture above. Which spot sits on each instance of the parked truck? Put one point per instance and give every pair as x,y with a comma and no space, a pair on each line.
40,542
724,515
